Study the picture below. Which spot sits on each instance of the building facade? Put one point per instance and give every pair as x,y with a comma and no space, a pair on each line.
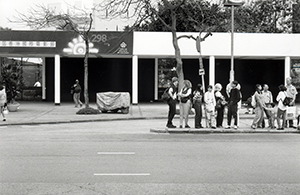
135,62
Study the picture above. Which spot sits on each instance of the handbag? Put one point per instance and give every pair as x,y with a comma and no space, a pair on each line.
5,110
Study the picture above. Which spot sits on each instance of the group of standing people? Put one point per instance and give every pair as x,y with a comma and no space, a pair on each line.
214,104
262,101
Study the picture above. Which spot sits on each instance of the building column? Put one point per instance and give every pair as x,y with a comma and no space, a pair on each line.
135,80
287,68
156,79
44,78
212,70
57,80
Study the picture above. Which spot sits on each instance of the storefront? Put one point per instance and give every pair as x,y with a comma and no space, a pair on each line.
142,62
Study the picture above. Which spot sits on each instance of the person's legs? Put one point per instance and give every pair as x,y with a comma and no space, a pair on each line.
229,115
172,112
187,108
75,99
198,113
234,114
181,112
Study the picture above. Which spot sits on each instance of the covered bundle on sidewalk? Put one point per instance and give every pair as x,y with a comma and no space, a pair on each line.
113,101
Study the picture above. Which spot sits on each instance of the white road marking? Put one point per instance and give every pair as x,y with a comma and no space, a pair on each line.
116,153
121,174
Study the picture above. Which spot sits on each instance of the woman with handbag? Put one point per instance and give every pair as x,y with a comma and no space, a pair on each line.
185,103
220,104
2,101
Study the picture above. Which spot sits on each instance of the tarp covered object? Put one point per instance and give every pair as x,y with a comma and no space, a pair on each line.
107,101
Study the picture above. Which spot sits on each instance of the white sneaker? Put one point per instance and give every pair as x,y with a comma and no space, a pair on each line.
227,127
235,127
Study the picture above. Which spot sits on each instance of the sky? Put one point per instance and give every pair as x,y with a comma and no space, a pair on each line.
10,9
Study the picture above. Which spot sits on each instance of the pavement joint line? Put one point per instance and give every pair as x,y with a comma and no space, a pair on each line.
121,174
116,153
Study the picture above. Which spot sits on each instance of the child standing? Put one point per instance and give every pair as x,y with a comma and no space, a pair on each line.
210,104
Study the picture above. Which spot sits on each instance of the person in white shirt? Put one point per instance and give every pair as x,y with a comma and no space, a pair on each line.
291,92
268,100
2,101
210,104
185,103
281,112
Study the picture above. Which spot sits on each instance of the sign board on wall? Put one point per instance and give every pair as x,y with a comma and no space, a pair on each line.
65,43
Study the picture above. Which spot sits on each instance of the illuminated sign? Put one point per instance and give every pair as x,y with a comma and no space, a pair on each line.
27,43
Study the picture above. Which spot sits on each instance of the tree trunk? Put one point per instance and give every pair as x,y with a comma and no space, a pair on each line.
179,65
86,73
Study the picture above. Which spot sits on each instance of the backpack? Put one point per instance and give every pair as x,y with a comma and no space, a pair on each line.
165,96
287,101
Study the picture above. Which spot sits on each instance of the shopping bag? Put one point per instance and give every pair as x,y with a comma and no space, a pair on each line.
291,113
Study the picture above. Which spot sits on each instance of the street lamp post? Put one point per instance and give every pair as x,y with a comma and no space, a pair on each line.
232,4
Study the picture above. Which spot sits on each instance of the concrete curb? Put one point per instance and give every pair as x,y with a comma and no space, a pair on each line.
213,131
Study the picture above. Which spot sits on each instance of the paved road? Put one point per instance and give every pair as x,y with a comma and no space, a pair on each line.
123,157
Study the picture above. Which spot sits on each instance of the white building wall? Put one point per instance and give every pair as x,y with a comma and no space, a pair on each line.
250,45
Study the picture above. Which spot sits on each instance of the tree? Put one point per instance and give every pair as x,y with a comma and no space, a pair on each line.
162,15
77,20
265,16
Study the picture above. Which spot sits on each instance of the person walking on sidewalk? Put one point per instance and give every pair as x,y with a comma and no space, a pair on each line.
172,102
234,98
281,112
76,89
291,92
197,104
185,102
210,105
2,101
259,107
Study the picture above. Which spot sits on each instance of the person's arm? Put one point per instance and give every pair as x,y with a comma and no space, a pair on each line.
188,93
173,96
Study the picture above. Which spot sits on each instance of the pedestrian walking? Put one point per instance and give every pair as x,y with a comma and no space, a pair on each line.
291,92
259,106
172,91
268,101
281,112
76,90
2,101
210,104
234,98
185,97
220,104
197,104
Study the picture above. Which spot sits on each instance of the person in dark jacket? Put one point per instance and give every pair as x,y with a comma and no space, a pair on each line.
172,102
234,98
76,89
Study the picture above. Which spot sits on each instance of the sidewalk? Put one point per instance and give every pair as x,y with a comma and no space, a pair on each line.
34,113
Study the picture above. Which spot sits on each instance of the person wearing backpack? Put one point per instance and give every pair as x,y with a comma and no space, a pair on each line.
281,112
172,91
2,101
76,90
